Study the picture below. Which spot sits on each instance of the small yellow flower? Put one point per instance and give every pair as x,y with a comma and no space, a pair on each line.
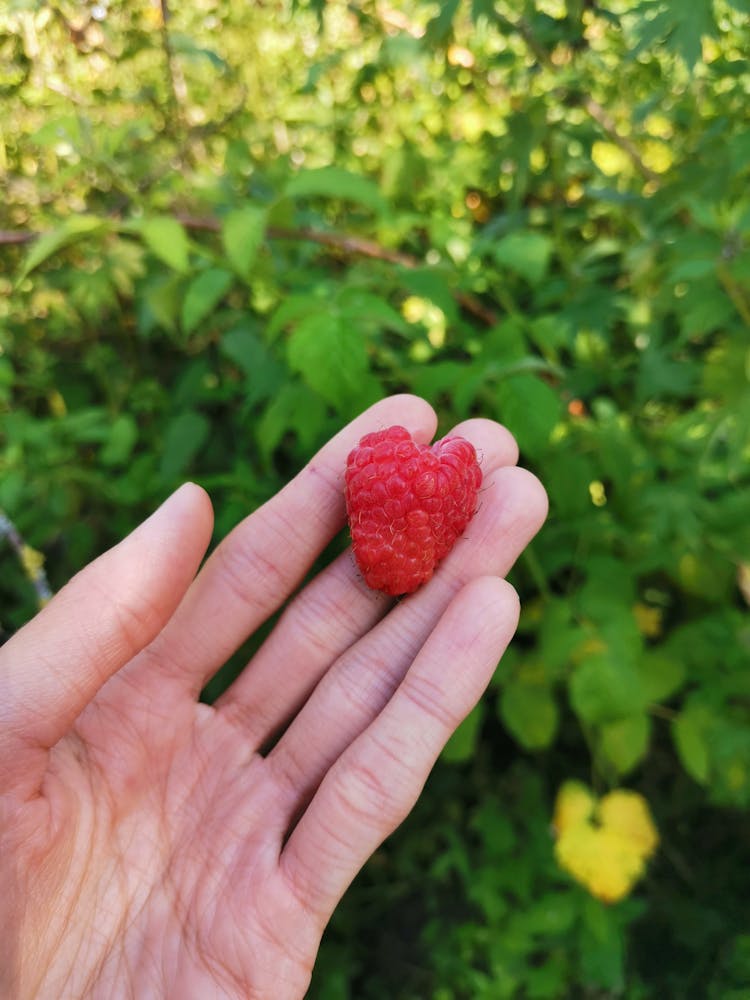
604,845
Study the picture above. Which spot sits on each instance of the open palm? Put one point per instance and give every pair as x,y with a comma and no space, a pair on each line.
154,846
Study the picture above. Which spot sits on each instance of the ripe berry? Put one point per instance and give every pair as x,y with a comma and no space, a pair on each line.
407,503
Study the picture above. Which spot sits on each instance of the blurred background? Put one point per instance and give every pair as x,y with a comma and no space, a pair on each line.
227,227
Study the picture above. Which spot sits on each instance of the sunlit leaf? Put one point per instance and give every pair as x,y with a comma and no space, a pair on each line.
331,357
166,238
74,229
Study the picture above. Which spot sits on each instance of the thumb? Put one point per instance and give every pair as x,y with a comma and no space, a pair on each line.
54,666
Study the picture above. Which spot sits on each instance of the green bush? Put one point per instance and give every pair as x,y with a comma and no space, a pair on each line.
254,220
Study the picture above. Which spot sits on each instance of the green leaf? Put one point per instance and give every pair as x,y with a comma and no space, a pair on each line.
624,743
526,254
530,409
265,374
427,283
602,946
440,27
203,295
331,357
293,409
529,712
183,438
242,234
291,309
692,21
167,240
123,435
75,228
162,302
462,744
335,182
603,689
243,347
370,312
661,675
691,733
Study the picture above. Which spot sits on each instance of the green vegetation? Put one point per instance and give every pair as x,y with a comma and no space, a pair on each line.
256,219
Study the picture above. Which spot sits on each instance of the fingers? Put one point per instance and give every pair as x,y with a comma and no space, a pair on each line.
52,668
375,783
266,556
359,684
332,612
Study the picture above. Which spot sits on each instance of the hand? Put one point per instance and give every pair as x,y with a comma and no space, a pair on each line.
147,847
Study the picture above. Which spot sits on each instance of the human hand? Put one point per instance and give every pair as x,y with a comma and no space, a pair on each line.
147,847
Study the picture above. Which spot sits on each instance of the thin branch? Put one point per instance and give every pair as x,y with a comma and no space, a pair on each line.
17,237
344,243
31,561
355,246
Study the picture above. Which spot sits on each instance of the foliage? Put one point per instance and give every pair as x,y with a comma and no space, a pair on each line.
257,219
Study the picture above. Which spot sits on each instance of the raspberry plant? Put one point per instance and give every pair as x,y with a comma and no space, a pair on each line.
259,218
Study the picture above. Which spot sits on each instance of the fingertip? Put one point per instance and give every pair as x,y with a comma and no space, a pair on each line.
493,599
494,443
199,501
536,499
407,409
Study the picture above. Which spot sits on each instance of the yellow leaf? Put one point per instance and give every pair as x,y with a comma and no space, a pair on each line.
600,860
627,814
657,156
603,845
610,159
575,804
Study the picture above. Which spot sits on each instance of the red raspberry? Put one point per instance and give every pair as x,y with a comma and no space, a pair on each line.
407,503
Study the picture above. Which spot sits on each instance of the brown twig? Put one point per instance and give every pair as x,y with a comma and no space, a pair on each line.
32,562
17,237
345,243
351,245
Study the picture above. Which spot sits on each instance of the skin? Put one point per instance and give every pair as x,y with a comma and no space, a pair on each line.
147,847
